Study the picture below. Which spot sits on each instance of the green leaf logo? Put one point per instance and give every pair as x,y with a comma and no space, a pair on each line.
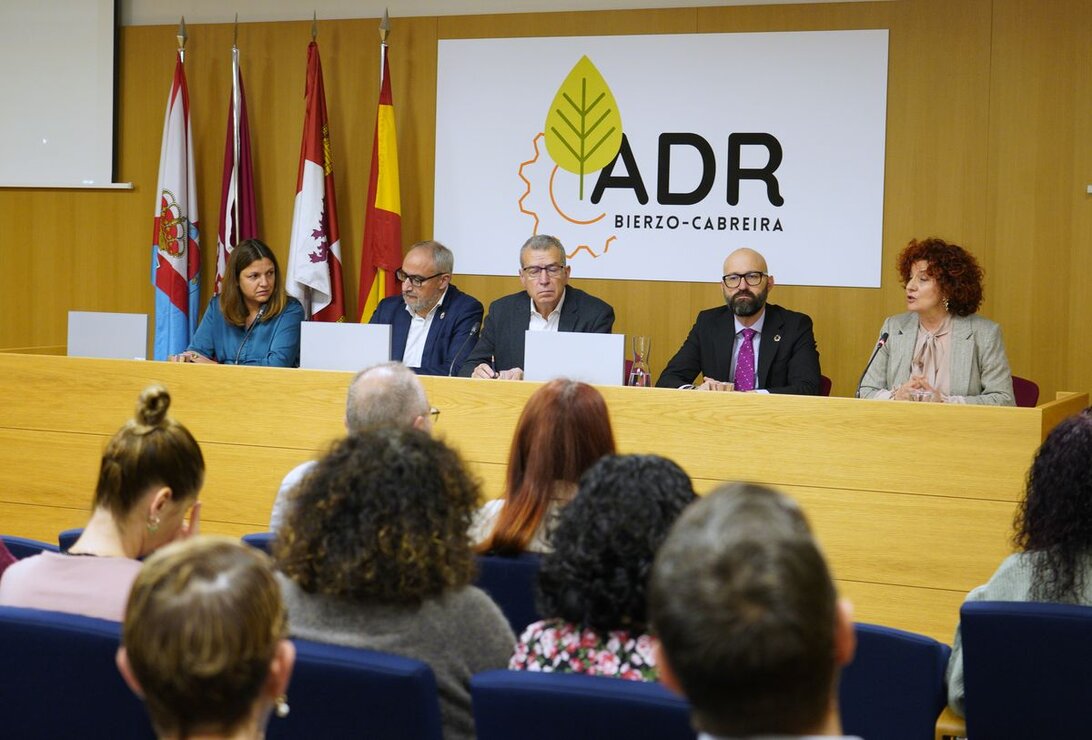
583,127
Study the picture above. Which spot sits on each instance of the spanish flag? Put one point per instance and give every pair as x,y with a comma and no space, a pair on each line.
381,254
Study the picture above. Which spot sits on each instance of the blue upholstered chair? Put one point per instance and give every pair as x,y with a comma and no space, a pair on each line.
261,540
68,537
59,679
511,582
894,688
340,692
24,547
546,706
1026,669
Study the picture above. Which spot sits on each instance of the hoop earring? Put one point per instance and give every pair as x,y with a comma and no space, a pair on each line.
282,709
153,523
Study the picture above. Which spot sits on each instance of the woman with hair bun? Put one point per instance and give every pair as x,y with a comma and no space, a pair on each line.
253,321
149,477
592,585
940,350
204,640
563,430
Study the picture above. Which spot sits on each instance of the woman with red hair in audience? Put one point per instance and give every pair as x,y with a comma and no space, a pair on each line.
563,430
940,349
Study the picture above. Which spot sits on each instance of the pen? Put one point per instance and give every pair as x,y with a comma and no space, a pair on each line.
493,365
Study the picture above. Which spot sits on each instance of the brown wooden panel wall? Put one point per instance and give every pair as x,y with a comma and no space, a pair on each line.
989,119
912,503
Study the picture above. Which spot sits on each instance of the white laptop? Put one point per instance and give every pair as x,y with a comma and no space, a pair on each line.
592,358
116,336
343,345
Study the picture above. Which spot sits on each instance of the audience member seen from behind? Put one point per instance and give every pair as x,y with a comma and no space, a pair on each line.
563,430
204,640
1053,535
388,394
940,350
6,558
149,477
252,321
376,554
593,584
749,625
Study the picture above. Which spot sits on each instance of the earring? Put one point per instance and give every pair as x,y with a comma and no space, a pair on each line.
153,523
945,304
282,708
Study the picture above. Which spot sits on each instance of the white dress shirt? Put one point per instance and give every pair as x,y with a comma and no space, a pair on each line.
551,322
418,334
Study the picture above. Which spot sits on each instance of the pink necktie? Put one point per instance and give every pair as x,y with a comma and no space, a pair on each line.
745,363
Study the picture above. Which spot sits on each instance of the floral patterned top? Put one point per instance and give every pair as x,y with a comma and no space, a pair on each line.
556,645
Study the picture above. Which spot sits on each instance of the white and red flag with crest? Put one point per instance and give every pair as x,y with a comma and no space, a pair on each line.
314,252
176,256
238,214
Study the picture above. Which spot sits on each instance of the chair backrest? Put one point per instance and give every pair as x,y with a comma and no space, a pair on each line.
261,540
511,582
24,547
544,706
339,691
824,385
59,678
68,537
894,688
1026,669
1025,391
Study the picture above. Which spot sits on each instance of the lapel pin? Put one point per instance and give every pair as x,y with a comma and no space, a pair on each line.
777,337
441,316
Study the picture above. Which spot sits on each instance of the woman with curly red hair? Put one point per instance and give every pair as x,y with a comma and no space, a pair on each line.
940,350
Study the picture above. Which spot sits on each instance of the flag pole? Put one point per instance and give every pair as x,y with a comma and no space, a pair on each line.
314,25
384,31
235,129
181,36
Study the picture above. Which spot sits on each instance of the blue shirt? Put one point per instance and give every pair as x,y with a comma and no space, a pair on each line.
273,342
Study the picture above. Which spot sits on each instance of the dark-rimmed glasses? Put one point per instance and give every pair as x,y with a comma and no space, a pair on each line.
415,280
535,270
731,280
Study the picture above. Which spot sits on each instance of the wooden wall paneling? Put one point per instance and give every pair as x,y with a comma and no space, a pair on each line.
927,611
1040,166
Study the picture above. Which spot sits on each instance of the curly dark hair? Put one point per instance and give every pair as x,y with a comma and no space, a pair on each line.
383,517
956,269
1055,518
606,539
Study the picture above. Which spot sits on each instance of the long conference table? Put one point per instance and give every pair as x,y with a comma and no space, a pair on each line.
912,503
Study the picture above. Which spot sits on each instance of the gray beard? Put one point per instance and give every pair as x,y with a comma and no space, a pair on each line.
747,308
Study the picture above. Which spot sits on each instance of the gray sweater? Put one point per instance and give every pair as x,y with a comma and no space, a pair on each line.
1011,582
458,634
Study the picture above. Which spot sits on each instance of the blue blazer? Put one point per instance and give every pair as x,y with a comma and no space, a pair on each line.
457,316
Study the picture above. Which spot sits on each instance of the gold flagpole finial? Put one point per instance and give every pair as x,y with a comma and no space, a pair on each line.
385,27
181,35
314,25
235,38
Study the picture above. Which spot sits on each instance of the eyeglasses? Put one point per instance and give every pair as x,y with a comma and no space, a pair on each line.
434,413
415,280
731,280
535,270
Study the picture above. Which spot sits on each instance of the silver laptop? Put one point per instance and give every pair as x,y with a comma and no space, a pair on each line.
592,358
115,336
343,346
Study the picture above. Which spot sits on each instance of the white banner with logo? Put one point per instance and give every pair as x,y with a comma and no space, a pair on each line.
653,157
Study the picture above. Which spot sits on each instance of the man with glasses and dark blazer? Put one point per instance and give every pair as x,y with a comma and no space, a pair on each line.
432,321
747,344
546,303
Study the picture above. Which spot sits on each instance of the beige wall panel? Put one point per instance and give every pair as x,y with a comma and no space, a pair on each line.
927,611
1040,214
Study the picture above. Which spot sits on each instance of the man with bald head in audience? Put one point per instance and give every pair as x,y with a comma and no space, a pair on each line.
388,394
749,626
747,344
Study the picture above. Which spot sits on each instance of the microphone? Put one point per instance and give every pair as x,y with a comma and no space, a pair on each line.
257,317
879,346
473,332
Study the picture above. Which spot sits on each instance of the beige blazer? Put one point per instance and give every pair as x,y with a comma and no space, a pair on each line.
980,370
